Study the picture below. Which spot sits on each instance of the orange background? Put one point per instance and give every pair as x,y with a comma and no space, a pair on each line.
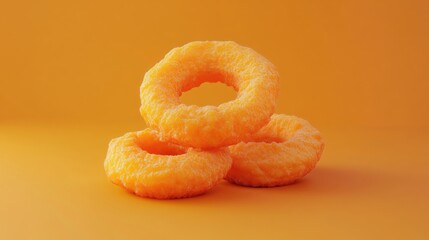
69,80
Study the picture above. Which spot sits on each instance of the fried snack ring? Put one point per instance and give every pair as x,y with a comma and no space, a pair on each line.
278,154
142,164
254,78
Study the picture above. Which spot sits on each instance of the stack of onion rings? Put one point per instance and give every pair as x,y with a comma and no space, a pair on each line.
188,149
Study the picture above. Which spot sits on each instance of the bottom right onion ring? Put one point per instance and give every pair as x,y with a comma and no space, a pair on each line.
280,153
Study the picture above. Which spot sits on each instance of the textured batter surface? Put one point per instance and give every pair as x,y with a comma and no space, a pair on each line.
278,154
142,164
183,68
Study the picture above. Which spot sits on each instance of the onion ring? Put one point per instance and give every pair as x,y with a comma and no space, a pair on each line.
142,164
280,153
254,78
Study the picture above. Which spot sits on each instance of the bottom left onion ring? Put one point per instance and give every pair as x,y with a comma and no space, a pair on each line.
142,164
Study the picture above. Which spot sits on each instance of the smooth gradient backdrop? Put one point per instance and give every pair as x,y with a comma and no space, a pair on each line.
69,82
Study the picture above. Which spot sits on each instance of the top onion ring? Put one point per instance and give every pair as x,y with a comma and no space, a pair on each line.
254,78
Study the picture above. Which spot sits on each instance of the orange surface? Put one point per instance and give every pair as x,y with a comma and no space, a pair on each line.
69,82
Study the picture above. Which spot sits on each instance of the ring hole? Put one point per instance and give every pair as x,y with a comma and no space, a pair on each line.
157,147
209,93
208,88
